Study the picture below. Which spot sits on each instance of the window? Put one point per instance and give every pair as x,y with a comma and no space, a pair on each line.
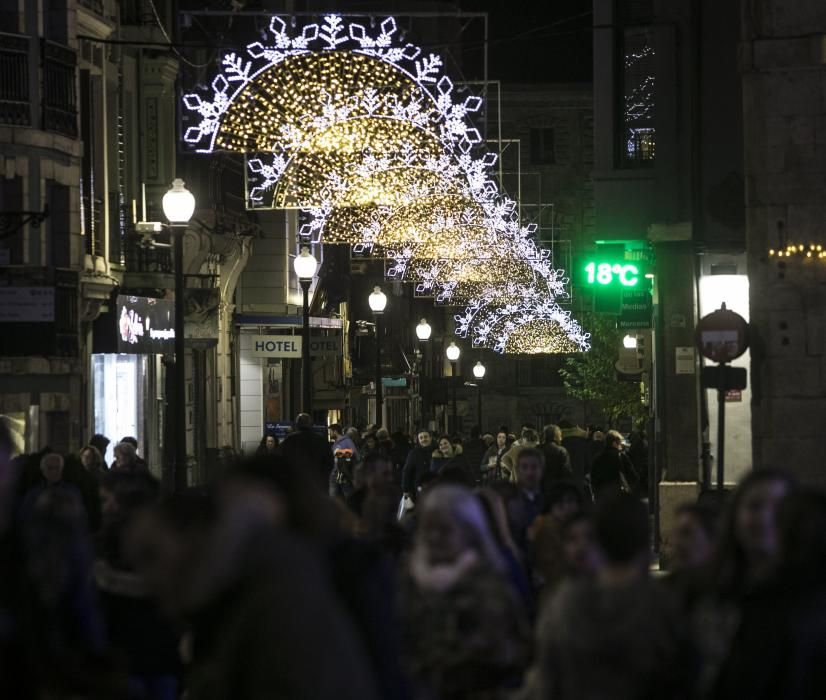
638,139
543,146
11,200
58,225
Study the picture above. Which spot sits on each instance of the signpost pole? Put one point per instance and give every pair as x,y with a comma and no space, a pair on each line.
721,428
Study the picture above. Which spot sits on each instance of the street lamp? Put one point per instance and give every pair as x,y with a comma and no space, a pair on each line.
629,342
452,351
305,265
479,372
378,301
178,206
423,331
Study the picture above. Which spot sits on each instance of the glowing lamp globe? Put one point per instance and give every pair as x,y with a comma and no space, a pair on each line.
452,351
305,264
629,342
178,203
377,300
423,330
479,370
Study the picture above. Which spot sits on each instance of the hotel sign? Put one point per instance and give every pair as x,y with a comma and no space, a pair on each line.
276,346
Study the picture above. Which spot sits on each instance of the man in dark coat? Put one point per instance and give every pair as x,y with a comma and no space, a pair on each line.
612,471
557,459
417,464
305,446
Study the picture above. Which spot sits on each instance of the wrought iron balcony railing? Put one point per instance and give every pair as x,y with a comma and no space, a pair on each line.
59,88
15,104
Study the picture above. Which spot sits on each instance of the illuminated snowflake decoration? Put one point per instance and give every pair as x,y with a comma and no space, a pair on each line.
373,141
491,321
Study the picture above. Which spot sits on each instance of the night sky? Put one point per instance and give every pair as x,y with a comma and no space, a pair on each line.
538,42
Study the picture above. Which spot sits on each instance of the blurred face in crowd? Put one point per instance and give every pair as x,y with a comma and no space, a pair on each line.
424,439
270,443
579,548
756,519
443,537
370,442
121,458
529,472
691,544
565,507
52,468
501,440
108,502
444,445
87,459
380,474
167,559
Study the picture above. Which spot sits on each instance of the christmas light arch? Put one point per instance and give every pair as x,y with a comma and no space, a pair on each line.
356,127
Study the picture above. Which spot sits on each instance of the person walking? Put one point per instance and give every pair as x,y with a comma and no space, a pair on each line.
465,632
492,459
529,438
557,459
417,464
618,634
612,471
307,447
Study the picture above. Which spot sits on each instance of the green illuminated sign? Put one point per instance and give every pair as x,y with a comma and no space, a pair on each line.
624,274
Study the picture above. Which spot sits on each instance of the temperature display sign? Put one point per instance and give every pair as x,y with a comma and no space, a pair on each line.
627,274
616,274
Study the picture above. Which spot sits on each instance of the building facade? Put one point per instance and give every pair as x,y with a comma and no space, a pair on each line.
668,174
784,108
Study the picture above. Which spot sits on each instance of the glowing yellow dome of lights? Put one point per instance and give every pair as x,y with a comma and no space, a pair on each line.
277,108
539,337
329,169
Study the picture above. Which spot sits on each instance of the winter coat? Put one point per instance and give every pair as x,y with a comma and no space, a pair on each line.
557,464
512,456
612,471
439,460
308,448
598,642
271,627
144,637
492,461
465,632
416,466
581,451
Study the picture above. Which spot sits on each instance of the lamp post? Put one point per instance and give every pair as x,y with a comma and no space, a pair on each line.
378,302
479,372
178,206
305,265
452,351
423,331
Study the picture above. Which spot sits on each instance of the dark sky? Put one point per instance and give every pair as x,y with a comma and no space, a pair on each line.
538,40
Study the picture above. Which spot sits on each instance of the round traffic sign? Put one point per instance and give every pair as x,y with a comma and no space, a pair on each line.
722,335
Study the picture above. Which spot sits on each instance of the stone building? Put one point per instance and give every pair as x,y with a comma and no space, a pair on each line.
87,135
783,67
668,174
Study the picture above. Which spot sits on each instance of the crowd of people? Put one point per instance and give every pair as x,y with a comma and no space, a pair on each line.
362,565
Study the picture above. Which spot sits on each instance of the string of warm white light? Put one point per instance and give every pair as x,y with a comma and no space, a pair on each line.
371,138
490,323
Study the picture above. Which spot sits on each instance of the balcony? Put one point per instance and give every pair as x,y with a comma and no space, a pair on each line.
95,6
59,88
15,105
